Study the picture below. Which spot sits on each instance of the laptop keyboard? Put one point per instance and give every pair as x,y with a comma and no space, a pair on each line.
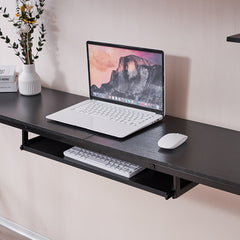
113,112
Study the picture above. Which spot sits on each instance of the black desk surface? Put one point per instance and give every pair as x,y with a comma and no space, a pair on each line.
211,155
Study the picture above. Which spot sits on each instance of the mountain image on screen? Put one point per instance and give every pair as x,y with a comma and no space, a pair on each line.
135,78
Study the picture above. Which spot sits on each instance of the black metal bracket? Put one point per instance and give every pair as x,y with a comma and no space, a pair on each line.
24,138
178,189
176,186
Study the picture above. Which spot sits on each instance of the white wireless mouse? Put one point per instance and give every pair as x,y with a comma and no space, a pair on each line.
172,140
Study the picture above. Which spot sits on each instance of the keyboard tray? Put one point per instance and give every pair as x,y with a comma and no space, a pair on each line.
148,180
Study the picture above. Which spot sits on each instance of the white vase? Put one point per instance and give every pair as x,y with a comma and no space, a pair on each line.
29,81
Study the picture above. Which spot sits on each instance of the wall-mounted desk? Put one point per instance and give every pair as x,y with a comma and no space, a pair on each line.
211,155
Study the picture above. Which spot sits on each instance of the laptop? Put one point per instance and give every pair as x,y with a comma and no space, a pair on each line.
126,88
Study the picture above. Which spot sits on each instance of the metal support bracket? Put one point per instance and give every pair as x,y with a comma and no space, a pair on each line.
178,189
176,186
24,138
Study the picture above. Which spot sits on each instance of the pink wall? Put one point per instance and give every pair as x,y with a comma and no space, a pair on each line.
202,78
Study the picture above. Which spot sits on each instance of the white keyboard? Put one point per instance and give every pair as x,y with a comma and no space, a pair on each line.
114,112
110,164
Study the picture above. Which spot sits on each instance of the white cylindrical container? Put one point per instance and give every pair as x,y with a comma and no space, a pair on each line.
29,81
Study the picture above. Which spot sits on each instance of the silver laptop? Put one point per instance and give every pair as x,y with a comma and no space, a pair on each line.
126,86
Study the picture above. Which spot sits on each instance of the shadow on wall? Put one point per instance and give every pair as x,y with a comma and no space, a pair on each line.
215,199
59,81
177,71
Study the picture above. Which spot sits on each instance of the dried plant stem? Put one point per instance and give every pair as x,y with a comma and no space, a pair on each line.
25,49
28,51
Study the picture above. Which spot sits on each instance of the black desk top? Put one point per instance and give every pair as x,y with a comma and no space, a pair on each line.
210,156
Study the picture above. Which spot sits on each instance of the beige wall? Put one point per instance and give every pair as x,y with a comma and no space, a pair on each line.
202,78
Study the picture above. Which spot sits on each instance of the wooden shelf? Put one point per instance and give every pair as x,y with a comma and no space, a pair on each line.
234,38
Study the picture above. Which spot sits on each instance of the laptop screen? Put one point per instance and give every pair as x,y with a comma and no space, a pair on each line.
126,75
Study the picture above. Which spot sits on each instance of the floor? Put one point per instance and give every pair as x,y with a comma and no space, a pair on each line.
6,234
